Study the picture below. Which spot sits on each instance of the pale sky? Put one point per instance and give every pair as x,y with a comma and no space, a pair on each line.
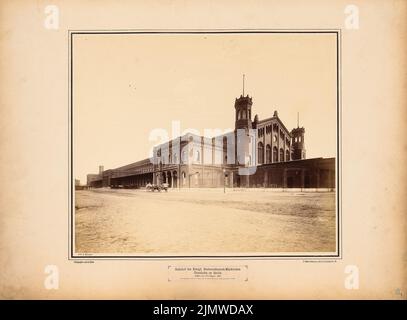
126,85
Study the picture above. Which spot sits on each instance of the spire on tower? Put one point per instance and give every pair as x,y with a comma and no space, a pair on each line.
243,84
298,119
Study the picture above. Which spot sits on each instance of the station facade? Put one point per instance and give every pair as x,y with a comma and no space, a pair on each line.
257,153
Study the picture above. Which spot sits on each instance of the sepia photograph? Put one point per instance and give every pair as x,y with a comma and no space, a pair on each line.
176,150
205,143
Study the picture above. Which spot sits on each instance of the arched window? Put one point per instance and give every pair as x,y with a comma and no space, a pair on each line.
184,156
225,142
281,154
287,155
268,154
275,154
197,156
239,115
260,153
244,114
175,158
225,149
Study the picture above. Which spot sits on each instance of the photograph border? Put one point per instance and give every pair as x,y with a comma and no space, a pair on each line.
338,159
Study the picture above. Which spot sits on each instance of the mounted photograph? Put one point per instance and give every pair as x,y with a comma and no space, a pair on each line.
216,143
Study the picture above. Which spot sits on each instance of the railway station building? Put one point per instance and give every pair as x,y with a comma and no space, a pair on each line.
256,154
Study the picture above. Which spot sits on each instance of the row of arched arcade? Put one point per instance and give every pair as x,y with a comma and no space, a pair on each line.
271,155
133,181
169,177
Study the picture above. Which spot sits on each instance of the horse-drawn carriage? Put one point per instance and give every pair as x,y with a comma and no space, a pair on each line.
158,187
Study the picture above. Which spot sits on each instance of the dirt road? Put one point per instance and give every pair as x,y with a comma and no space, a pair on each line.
203,222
